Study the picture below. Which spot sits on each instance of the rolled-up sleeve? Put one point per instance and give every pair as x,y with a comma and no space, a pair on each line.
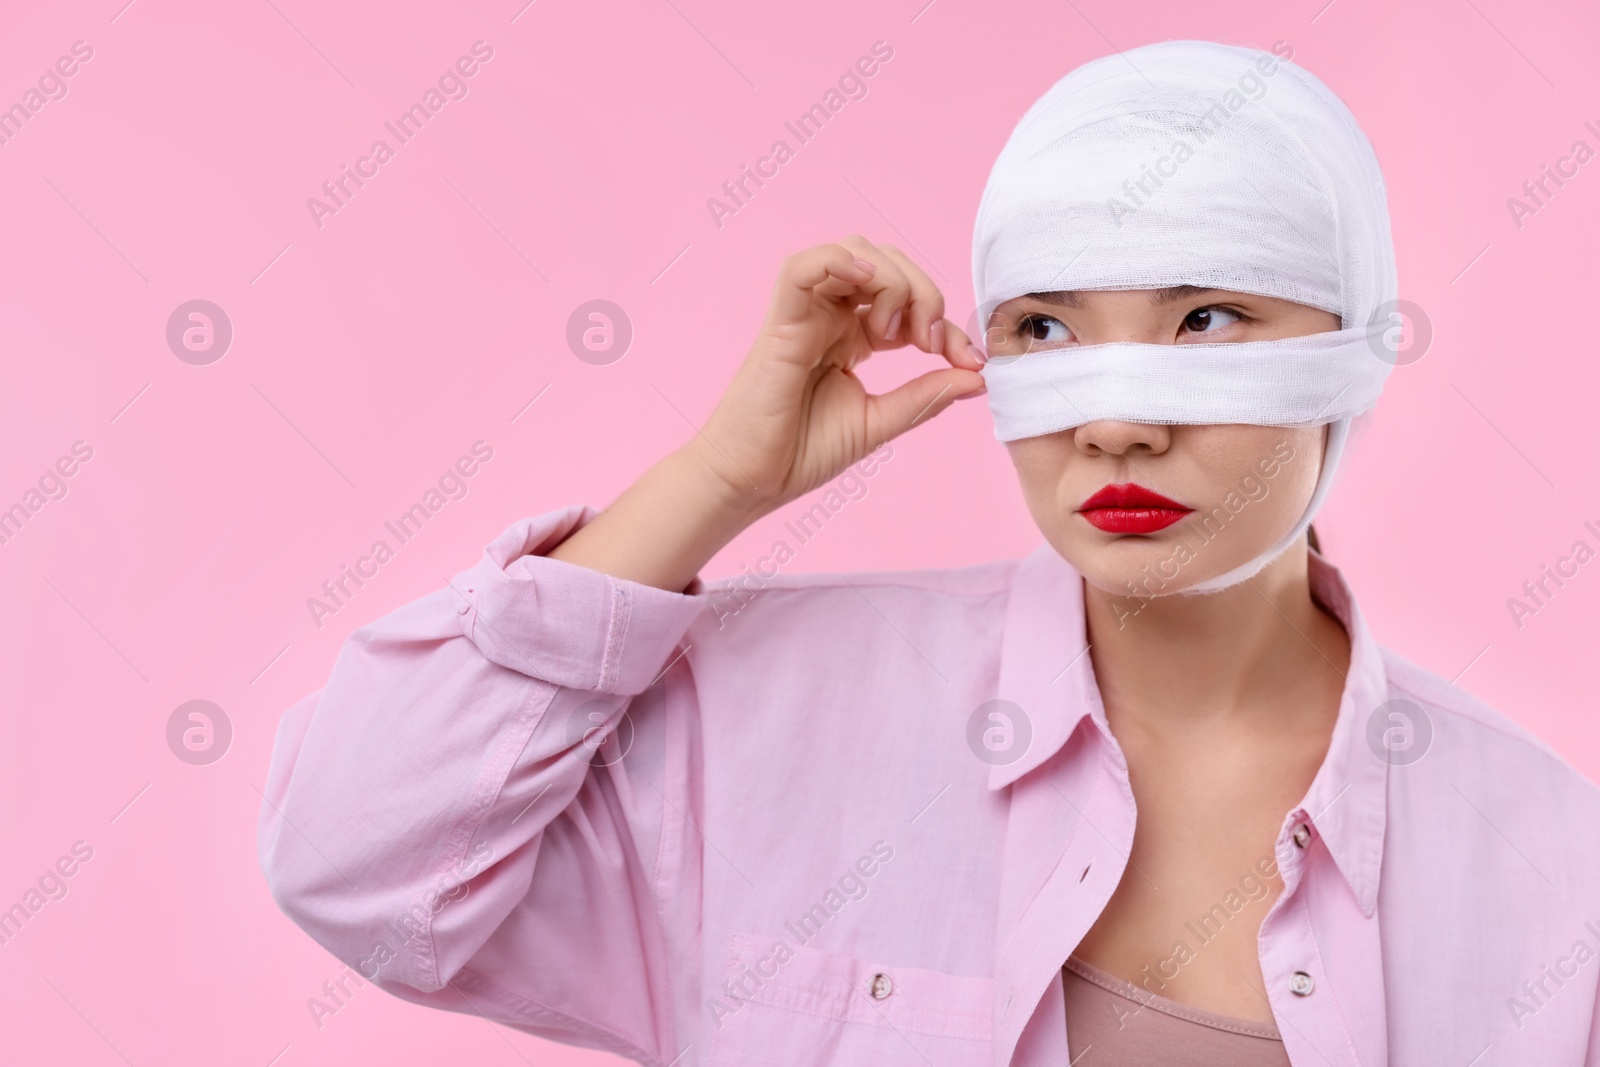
564,624
443,793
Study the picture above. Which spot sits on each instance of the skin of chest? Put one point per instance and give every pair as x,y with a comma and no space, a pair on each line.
1211,796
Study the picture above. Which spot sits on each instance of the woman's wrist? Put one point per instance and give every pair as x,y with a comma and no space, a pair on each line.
665,526
711,480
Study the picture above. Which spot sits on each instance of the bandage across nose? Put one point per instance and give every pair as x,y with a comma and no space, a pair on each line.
1190,163
1326,377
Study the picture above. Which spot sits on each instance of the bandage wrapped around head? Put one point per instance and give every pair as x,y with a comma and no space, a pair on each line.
1191,163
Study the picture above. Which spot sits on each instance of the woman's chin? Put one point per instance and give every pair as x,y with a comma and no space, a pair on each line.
1125,571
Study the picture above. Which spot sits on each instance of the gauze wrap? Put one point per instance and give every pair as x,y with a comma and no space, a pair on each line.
1191,163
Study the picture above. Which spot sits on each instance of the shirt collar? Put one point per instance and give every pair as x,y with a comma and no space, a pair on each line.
1045,670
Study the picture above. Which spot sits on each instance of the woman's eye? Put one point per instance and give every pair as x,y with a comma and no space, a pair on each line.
1209,320
1040,329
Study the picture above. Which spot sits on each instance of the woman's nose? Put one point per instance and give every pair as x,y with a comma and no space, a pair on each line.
1110,436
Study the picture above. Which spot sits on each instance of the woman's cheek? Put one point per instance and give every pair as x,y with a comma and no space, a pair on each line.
1043,479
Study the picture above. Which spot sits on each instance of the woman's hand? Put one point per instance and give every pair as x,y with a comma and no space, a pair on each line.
795,415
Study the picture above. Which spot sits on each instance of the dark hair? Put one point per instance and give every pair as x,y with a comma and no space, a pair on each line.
1311,539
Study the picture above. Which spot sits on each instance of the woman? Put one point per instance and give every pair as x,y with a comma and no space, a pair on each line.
891,818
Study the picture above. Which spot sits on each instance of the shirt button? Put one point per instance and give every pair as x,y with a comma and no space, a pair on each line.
1302,835
1300,984
881,986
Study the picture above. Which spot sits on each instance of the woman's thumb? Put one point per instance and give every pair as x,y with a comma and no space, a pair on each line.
893,413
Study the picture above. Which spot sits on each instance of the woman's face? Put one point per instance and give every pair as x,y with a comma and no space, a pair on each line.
1230,492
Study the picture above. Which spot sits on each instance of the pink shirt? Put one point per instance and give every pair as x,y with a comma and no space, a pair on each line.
642,821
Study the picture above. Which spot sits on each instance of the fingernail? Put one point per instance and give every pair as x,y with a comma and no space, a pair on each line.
894,326
975,392
862,264
977,353
936,335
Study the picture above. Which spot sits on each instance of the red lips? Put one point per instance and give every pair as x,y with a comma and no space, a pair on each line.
1131,509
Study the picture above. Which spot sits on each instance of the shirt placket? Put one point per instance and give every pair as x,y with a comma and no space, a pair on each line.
1308,1016
1093,856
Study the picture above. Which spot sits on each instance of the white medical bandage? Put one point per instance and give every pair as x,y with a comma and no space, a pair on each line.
1296,381
1190,163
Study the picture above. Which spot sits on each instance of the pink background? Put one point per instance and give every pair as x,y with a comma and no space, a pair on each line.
370,353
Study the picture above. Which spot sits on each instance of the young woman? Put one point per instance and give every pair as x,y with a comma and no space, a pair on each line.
1151,794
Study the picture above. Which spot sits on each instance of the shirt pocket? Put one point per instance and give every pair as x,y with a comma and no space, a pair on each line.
782,1005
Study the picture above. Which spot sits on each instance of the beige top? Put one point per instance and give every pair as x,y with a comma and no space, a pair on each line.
1114,1023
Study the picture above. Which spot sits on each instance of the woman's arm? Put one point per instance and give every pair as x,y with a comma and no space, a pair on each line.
793,418
442,816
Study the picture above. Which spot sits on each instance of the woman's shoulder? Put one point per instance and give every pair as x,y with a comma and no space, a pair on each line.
769,597
769,578
1469,734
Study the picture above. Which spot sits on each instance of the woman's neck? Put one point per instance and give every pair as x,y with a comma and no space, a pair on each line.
1256,652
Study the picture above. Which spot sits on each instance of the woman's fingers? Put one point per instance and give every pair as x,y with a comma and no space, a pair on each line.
927,328
960,349
925,303
956,349
827,270
890,291
917,401
894,300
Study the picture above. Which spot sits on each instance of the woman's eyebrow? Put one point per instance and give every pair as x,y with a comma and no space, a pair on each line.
1177,292
1167,295
1061,298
